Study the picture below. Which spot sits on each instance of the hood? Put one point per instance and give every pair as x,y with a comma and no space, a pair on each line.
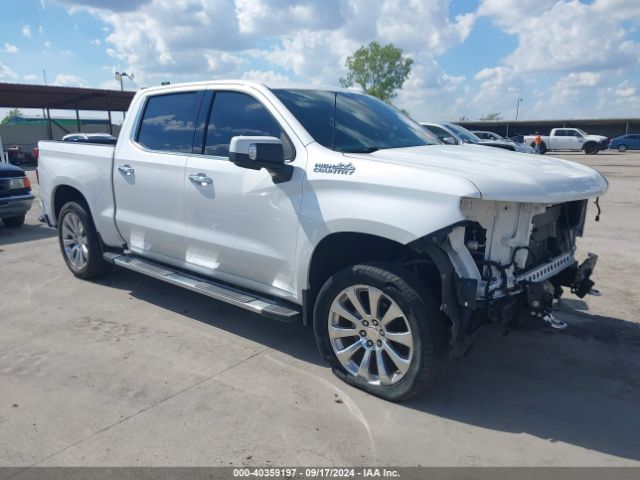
597,138
502,175
8,170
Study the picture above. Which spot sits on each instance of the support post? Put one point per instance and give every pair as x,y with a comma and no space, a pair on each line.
109,114
49,129
78,120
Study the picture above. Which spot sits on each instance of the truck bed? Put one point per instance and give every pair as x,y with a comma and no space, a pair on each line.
85,167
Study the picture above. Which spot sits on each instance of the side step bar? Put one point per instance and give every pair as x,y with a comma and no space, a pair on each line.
247,300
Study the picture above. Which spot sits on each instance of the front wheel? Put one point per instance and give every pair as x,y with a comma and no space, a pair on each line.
591,149
79,242
622,148
17,221
381,330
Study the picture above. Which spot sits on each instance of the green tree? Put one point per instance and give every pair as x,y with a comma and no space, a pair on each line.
13,113
379,70
493,116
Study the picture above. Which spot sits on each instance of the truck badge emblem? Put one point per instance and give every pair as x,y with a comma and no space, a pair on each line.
341,168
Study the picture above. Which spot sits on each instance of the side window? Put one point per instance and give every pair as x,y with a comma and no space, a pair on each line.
574,133
169,121
561,133
235,114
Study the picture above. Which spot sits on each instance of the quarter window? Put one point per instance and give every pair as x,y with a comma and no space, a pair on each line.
169,121
238,114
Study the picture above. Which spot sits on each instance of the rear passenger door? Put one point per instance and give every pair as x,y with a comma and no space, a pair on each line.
148,176
241,224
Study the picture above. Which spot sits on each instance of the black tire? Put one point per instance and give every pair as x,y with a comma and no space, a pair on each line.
622,148
591,149
423,316
95,265
14,221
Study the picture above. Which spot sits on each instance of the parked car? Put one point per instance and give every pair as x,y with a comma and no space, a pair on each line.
103,138
630,141
457,135
15,195
570,139
518,138
328,207
486,135
16,155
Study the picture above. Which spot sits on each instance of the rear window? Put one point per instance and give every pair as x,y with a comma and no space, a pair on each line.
168,122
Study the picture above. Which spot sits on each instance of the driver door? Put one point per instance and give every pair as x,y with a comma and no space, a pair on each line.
241,225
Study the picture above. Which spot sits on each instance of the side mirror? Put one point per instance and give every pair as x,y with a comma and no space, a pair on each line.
257,152
449,141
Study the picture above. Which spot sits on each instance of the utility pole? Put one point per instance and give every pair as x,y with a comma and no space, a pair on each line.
518,107
119,76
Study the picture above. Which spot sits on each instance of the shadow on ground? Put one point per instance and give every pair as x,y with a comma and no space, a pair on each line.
578,386
26,233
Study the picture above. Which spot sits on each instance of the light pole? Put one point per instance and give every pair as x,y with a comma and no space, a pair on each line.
518,107
119,76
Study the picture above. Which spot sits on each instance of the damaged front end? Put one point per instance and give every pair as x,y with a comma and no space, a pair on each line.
508,259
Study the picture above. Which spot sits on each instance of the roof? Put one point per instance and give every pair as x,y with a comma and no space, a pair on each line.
14,95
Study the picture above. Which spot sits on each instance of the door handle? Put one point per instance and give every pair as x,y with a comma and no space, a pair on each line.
201,179
126,169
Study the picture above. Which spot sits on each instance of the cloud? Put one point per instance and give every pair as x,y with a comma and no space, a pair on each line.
282,17
31,77
10,48
26,31
583,50
96,41
6,73
564,36
69,80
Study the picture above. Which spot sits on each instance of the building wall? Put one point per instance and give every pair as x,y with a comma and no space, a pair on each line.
609,128
28,136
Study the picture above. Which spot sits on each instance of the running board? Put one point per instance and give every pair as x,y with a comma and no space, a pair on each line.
243,299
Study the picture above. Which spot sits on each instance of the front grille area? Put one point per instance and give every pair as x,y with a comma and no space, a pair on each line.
4,188
554,232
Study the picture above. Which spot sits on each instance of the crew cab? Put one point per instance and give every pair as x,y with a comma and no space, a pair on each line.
328,207
15,195
570,139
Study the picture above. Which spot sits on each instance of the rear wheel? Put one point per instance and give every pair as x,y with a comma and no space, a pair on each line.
79,242
14,221
380,329
622,148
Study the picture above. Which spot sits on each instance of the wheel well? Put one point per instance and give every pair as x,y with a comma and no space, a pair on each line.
64,194
340,250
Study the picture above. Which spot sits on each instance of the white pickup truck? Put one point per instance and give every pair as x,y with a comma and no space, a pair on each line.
570,139
327,207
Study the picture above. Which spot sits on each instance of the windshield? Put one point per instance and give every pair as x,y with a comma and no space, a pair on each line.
352,122
582,132
463,133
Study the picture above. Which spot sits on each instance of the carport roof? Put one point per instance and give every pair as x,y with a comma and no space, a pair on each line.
14,95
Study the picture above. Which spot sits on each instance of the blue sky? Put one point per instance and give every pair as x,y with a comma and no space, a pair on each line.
564,58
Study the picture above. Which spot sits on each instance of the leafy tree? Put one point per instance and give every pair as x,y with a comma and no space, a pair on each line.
379,70
463,118
494,116
11,114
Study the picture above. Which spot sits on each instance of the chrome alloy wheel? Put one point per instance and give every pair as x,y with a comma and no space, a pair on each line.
370,335
74,240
